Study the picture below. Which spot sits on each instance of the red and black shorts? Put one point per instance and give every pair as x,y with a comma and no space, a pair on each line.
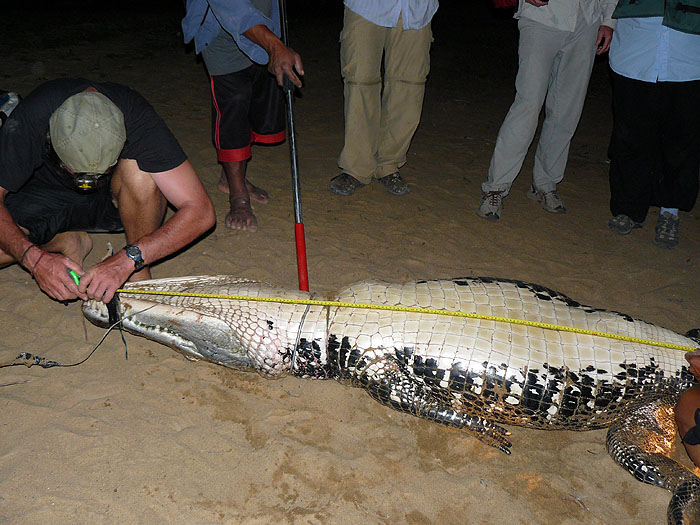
247,108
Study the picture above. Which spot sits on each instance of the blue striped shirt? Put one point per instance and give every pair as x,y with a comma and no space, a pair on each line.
643,49
415,14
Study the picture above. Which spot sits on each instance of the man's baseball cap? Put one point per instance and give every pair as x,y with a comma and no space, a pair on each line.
87,132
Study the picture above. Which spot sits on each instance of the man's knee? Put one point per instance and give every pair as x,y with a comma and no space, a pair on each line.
130,182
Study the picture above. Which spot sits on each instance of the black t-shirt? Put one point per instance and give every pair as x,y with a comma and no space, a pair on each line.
23,141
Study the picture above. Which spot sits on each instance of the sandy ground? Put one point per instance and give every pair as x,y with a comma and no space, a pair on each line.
158,439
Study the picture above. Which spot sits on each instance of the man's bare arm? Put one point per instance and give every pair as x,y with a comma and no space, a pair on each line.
194,216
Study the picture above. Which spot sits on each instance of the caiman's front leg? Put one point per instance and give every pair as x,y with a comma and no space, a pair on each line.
392,384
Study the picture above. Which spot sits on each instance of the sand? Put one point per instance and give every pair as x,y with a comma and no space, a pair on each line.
156,438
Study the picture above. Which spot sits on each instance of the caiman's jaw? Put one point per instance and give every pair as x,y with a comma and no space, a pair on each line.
196,335
96,312
201,317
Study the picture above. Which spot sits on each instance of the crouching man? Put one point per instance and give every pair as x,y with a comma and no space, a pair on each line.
78,156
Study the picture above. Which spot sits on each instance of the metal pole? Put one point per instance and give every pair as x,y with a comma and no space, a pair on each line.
296,186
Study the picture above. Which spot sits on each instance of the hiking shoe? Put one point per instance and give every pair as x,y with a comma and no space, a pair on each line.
394,184
345,184
491,205
550,200
667,230
622,224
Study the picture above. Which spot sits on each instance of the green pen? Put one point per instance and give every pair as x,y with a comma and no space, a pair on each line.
75,276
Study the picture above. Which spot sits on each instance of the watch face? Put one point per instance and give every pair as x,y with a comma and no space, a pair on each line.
134,253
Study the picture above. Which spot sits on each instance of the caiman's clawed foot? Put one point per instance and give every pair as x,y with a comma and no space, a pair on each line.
489,433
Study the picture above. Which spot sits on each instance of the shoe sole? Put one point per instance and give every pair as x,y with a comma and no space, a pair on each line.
665,244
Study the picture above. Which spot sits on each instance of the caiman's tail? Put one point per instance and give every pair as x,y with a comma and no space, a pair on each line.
640,442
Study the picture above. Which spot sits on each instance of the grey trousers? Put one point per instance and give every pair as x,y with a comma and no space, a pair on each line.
557,65
381,114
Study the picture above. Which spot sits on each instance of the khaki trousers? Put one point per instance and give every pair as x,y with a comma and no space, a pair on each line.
557,65
381,114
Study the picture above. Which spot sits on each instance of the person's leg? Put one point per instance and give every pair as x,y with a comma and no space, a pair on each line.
635,148
406,67
677,187
537,50
256,194
240,215
361,48
685,414
564,104
268,127
140,203
232,136
680,145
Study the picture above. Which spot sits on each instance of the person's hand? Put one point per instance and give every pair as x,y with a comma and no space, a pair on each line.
102,280
602,43
693,359
285,61
51,271
282,60
537,3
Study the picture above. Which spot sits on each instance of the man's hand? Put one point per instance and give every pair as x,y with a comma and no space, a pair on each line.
51,271
283,60
602,43
537,3
102,280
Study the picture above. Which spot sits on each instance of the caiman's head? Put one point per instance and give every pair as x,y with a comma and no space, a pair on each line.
195,335
192,326
190,315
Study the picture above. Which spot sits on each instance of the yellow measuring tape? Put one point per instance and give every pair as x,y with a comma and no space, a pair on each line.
412,309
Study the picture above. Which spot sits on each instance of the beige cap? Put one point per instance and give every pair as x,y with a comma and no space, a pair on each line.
87,132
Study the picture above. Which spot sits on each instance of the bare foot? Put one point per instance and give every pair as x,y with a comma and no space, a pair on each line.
241,215
257,194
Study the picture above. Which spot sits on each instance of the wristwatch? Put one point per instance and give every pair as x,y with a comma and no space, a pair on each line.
134,253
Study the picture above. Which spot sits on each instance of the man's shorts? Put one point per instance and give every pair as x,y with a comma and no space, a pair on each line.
247,108
45,208
692,437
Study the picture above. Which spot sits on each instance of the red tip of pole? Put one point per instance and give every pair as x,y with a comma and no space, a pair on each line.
301,256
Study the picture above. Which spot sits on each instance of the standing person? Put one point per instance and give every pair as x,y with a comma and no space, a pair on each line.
382,114
655,146
79,156
558,43
236,39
